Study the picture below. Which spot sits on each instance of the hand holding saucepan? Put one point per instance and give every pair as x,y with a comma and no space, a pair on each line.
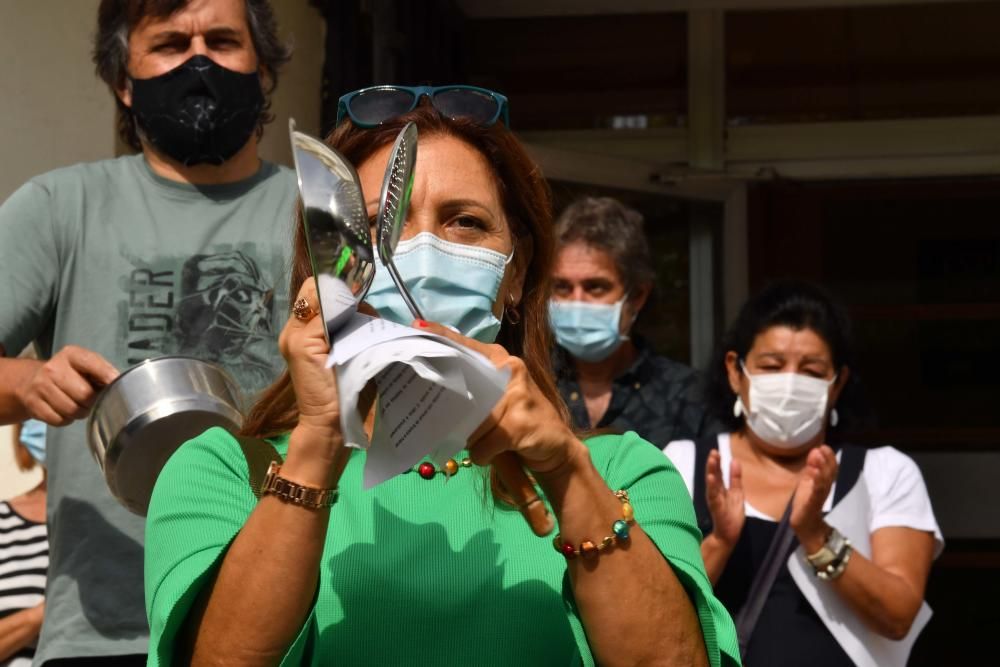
64,388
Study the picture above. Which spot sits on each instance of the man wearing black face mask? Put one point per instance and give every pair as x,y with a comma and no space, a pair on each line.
181,249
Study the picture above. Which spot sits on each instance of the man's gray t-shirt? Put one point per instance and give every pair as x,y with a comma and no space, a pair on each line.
113,258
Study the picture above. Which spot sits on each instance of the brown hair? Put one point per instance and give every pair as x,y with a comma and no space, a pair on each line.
525,197
22,457
117,18
608,225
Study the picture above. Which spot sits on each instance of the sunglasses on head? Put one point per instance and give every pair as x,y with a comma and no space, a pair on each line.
373,106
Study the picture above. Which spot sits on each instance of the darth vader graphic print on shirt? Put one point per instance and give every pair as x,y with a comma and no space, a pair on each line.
218,306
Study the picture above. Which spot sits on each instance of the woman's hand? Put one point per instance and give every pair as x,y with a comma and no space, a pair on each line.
523,421
815,482
315,455
725,505
303,345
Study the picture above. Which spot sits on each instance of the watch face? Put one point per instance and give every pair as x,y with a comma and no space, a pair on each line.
835,542
836,545
822,557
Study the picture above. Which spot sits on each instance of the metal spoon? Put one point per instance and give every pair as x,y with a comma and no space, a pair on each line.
393,204
338,235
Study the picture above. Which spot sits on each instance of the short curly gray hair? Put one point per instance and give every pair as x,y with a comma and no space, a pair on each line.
608,225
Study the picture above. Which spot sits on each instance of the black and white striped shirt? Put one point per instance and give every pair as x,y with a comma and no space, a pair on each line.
24,558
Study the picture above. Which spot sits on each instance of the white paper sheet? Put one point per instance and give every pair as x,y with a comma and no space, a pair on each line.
432,393
336,301
865,647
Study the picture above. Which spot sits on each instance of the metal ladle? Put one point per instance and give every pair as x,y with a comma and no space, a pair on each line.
338,235
393,204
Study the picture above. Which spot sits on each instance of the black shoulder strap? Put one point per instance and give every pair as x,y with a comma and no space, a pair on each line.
763,581
259,453
852,461
702,447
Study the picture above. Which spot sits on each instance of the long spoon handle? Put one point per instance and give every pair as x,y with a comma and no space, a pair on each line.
405,293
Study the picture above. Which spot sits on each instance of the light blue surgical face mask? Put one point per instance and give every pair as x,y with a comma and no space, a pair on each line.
33,438
589,331
453,284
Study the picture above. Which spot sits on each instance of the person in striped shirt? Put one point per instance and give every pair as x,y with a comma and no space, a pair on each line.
24,555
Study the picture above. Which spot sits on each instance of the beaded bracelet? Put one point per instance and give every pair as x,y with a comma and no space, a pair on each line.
619,530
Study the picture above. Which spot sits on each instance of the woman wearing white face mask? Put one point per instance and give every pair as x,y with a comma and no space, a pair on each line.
782,380
609,377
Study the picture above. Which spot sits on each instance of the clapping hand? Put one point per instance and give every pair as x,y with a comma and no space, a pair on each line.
725,505
815,482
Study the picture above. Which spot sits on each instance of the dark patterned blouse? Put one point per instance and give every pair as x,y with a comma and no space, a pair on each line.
660,399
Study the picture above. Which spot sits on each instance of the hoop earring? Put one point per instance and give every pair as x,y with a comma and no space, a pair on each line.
510,311
834,417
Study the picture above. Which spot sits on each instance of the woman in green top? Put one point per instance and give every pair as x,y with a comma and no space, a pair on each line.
417,570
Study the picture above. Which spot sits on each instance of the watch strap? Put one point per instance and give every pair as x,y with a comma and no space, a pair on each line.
287,490
829,552
837,567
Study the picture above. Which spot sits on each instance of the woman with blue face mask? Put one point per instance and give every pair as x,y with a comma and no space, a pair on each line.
432,566
609,377
783,384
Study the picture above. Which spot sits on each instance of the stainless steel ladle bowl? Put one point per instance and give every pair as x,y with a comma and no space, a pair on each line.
336,225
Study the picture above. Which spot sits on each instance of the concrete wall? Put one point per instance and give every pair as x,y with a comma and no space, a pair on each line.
298,93
54,111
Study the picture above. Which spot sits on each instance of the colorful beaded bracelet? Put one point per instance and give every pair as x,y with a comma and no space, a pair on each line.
619,530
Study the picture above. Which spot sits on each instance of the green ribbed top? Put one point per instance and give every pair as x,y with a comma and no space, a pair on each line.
418,571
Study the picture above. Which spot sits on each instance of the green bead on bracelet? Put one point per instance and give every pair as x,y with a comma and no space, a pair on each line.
619,530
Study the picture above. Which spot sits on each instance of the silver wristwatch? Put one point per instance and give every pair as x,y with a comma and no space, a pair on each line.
831,559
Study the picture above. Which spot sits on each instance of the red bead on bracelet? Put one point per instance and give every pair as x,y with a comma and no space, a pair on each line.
619,530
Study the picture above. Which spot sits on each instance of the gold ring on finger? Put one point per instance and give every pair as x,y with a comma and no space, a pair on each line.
302,310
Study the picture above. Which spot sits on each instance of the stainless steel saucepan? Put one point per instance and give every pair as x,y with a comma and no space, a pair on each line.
142,417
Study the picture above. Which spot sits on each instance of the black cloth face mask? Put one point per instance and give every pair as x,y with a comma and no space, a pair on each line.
198,112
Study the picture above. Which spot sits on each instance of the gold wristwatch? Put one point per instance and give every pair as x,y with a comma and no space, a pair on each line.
291,492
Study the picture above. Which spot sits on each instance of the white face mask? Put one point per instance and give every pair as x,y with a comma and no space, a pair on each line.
786,409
